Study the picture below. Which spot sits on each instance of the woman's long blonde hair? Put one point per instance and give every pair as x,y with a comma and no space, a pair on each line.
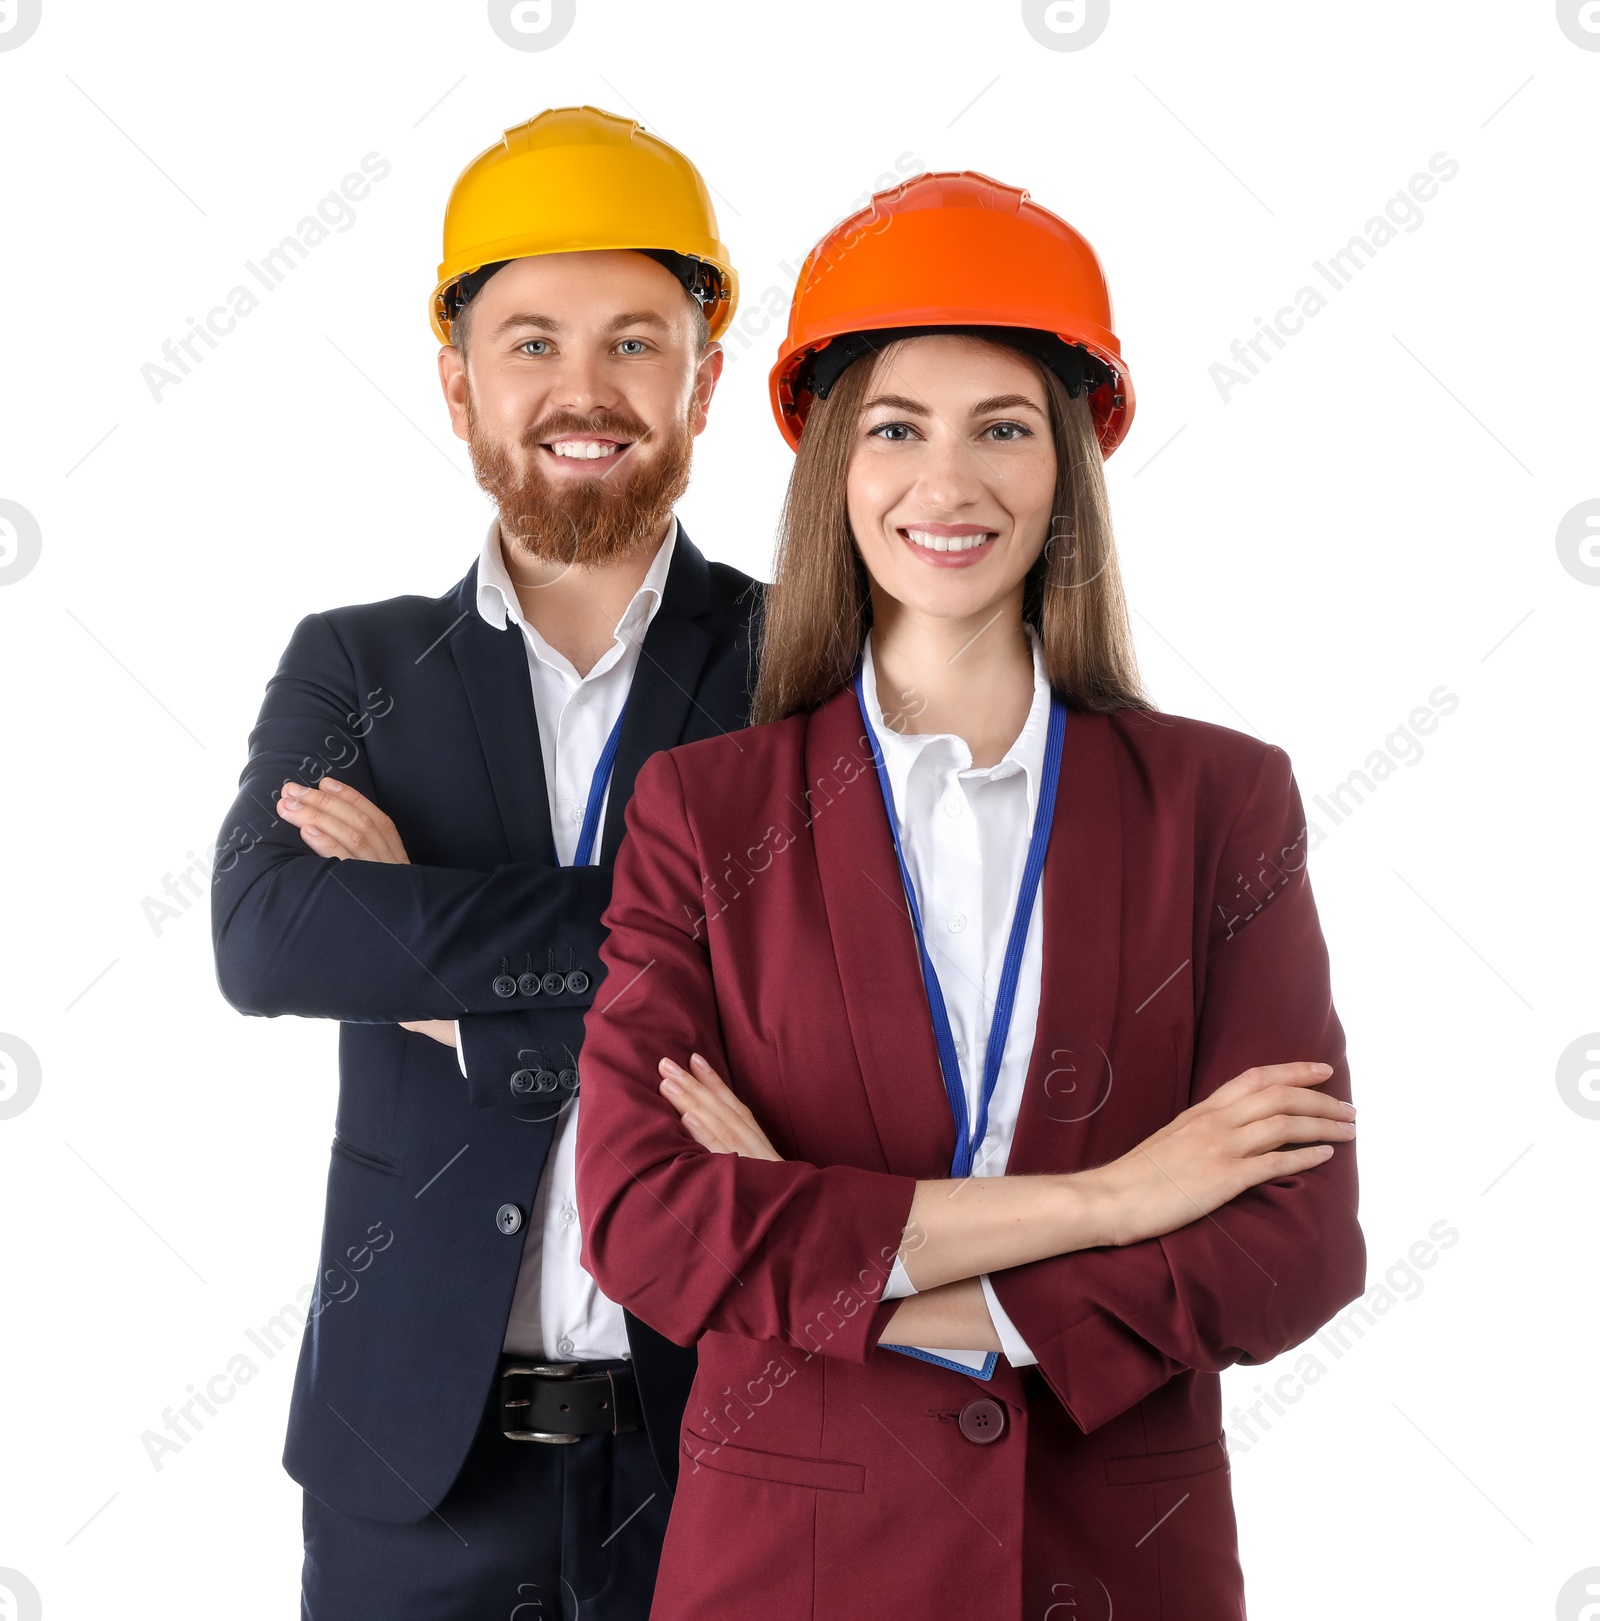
819,608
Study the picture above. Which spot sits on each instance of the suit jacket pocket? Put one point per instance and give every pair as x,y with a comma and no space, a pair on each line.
821,1474
370,1157
1147,1468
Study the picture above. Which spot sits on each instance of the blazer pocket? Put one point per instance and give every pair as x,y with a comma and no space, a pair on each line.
370,1157
1147,1468
821,1474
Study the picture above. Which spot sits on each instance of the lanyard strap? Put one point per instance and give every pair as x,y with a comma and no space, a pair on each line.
584,854
968,1143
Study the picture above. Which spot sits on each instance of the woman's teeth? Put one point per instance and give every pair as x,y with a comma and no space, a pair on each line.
584,449
948,543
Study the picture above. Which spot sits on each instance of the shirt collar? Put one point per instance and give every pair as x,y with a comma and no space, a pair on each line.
902,750
497,596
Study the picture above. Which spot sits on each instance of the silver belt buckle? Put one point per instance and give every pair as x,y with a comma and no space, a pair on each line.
546,1370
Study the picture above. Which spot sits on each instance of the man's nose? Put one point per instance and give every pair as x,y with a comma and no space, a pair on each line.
581,385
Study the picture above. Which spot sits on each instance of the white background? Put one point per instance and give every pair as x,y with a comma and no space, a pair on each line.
1371,517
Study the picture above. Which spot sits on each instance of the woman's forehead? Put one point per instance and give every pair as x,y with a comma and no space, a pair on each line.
954,363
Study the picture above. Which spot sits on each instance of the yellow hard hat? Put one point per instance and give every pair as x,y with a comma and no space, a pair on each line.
576,179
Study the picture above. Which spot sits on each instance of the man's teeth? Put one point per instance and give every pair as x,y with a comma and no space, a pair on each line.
948,543
585,449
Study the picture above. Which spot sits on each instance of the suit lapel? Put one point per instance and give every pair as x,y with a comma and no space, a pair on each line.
494,670
874,945
1069,1077
674,653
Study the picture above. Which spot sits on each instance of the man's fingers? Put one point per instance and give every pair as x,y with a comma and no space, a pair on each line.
361,827
324,844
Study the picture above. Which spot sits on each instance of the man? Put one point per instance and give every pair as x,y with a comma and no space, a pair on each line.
422,849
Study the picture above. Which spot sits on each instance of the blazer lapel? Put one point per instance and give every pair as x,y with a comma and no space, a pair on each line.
674,653
494,670
1069,1078
874,944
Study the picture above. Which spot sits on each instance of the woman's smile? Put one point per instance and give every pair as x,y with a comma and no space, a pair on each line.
948,545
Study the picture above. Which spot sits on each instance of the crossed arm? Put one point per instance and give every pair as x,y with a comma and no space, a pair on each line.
1226,1236
1241,1135
317,909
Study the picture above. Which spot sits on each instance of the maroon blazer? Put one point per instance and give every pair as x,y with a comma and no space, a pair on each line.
757,917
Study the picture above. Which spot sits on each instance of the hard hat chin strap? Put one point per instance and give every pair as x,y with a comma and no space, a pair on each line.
1080,372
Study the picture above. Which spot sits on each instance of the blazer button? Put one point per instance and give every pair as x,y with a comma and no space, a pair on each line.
983,1421
546,1080
569,1080
509,1220
530,984
554,983
577,982
504,985
522,1081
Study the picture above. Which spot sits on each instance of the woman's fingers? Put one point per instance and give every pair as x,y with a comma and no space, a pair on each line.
724,1124
1287,1100
1263,1076
1282,1130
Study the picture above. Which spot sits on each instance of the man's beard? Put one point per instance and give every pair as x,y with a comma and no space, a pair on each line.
614,514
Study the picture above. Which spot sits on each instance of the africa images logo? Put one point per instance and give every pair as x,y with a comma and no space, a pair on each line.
18,20
532,25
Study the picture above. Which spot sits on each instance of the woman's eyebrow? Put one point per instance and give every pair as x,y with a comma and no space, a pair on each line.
1005,402
897,402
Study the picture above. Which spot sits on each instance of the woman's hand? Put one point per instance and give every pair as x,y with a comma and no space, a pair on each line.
713,1116
1248,1131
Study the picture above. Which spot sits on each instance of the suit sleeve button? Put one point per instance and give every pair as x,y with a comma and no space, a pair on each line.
504,985
577,982
569,1080
554,983
530,984
983,1421
522,1081
545,1080
508,1218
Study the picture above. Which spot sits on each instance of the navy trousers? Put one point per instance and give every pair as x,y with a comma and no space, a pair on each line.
528,1532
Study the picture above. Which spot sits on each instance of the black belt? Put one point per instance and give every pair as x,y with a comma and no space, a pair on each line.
561,1402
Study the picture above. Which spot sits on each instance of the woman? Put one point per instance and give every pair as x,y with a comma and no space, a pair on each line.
993,1002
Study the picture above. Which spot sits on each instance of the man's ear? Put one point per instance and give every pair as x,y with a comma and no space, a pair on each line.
453,380
705,382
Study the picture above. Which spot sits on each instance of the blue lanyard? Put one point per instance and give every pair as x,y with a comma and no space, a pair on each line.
597,793
967,1144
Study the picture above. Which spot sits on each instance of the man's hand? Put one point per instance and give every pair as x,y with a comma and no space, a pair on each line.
335,820
440,1029
711,1113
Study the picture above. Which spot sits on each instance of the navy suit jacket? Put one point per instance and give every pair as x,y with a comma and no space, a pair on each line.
426,709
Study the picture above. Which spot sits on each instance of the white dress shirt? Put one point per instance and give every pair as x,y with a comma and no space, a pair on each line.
558,1312
964,830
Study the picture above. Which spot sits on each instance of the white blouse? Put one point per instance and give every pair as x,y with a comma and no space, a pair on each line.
964,830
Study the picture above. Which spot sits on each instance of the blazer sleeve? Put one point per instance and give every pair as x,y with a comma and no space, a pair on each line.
686,1239
366,942
1269,1268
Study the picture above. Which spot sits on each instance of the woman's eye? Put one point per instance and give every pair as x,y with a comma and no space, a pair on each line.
895,432
1006,432
632,346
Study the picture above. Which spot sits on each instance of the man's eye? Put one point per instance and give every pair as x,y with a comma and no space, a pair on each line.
895,432
632,346
536,346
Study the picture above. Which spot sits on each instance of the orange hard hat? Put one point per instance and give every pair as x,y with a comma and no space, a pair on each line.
948,251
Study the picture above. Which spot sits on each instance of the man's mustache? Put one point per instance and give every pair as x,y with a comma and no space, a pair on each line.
602,424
